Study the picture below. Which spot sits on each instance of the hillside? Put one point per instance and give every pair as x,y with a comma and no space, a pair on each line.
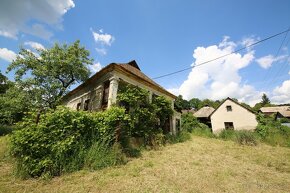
198,165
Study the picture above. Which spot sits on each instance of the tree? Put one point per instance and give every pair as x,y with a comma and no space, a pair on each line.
195,103
13,105
211,103
4,83
265,100
51,72
181,103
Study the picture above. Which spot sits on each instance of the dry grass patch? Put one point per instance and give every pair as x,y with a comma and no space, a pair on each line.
198,165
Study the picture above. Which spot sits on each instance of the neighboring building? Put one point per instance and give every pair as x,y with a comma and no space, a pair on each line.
273,110
232,115
100,91
283,114
184,111
203,115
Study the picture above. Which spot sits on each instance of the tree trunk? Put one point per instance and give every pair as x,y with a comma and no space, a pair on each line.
37,119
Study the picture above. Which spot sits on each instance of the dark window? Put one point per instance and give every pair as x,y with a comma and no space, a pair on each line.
86,104
229,108
125,105
105,94
229,125
177,125
79,106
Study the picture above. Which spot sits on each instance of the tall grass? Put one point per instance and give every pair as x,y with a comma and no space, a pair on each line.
101,155
3,148
242,137
180,137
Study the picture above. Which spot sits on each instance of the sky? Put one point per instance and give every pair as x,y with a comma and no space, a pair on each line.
165,36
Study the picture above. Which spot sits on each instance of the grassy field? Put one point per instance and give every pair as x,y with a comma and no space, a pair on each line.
198,165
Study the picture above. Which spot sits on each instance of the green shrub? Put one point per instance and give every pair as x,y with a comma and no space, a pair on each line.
272,132
246,138
189,122
147,117
60,141
192,125
183,136
284,120
5,129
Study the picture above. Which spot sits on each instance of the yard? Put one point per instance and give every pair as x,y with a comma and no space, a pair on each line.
198,165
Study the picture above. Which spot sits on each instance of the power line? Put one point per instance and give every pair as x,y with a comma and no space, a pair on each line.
281,69
277,53
235,51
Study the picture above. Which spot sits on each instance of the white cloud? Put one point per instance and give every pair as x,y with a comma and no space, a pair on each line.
39,31
220,78
96,67
8,34
281,94
249,41
267,61
101,51
16,15
7,55
34,45
103,38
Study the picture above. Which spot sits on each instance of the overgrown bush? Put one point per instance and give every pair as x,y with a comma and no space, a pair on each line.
284,120
191,124
60,141
148,118
272,132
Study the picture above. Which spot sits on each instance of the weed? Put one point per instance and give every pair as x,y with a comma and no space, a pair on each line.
100,155
246,138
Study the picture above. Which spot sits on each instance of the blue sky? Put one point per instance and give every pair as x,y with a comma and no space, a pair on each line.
163,37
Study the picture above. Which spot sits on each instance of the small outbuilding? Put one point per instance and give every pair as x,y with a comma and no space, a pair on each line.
233,116
283,114
203,115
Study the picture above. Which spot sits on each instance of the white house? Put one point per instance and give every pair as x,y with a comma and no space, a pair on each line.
232,115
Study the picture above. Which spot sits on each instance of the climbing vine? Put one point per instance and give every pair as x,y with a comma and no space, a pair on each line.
148,117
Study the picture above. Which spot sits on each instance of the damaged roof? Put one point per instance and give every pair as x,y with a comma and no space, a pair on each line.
130,69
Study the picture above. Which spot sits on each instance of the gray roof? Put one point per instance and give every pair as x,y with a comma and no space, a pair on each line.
184,111
285,113
204,112
274,109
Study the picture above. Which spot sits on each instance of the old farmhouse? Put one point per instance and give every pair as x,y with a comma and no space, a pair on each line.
232,115
100,91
